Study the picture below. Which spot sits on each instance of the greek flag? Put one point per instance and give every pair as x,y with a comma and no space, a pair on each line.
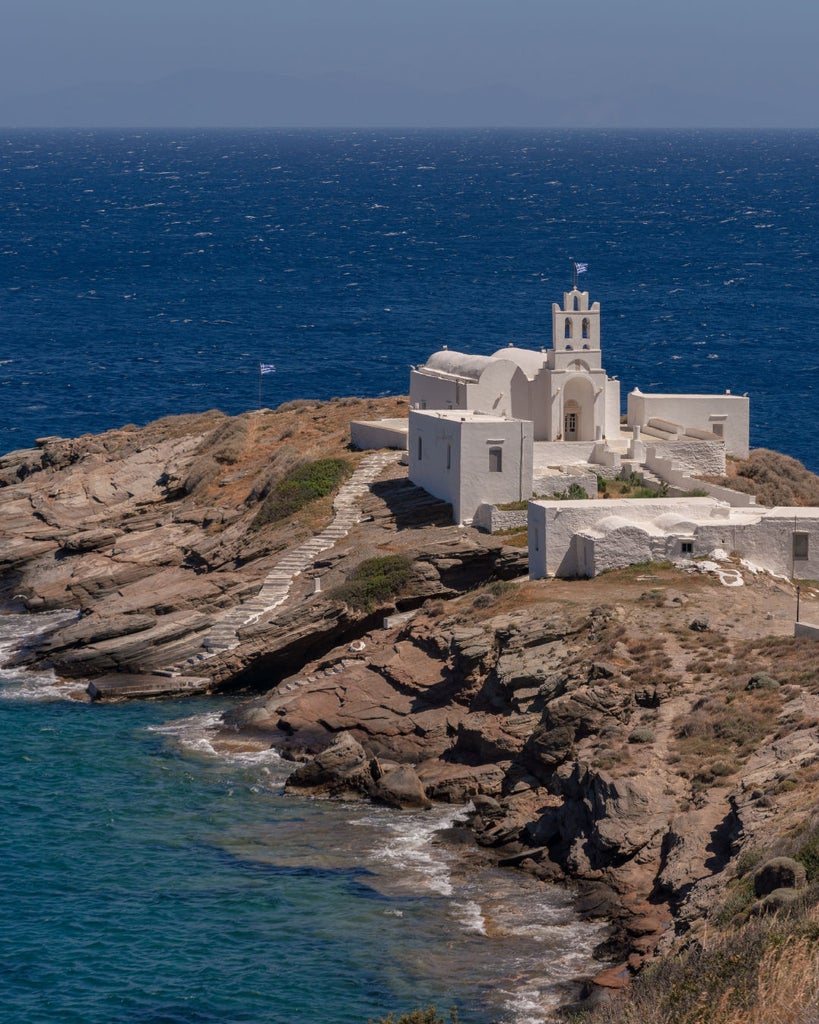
267,367
581,268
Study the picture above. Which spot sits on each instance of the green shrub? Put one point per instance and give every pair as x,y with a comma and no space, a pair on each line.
375,581
299,487
808,854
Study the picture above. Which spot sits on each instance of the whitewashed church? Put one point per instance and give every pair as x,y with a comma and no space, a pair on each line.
500,428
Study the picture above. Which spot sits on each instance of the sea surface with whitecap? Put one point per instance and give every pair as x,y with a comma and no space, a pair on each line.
148,878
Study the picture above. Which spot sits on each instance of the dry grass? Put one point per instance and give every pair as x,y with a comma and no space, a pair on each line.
764,973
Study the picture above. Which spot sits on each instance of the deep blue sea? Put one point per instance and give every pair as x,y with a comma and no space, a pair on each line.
147,879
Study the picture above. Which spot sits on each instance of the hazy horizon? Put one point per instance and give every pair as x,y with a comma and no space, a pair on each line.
376,63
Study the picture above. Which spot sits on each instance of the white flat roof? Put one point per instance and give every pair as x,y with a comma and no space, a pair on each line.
465,416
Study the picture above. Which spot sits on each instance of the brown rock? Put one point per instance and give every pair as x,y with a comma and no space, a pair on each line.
400,787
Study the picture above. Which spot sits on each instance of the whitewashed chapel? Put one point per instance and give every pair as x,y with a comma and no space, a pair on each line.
520,423
501,428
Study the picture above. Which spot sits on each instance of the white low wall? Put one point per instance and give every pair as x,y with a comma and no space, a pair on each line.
557,483
374,434
490,518
705,457
678,479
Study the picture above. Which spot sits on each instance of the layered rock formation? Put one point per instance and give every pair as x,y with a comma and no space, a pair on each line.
634,733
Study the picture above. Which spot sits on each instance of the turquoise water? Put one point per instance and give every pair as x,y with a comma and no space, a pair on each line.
148,880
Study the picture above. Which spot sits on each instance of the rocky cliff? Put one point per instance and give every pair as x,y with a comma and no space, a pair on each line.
651,735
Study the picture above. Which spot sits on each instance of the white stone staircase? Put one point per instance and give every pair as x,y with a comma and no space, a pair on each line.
223,635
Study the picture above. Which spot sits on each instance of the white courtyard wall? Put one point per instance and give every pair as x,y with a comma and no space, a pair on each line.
704,457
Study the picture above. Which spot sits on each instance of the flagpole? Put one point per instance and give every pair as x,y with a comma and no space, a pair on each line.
260,387
574,275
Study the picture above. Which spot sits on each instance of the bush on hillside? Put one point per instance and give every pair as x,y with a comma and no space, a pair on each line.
299,487
774,478
375,581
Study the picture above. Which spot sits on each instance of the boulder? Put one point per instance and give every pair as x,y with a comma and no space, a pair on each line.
343,769
400,787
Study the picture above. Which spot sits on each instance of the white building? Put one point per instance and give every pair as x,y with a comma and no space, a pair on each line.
571,409
584,538
466,458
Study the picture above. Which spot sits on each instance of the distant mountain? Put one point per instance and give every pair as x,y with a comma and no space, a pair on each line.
205,98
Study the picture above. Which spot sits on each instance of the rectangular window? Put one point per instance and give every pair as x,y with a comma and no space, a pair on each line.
687,547
420,449
449,456
496,460
800,546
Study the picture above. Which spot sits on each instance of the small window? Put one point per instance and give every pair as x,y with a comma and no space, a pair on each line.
536,533
567,328
576,302
449,456
800,546
687,547
496,460
585,327
420,448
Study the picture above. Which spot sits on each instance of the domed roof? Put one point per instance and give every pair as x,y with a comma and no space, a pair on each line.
674,521
458,364
612,523
530,361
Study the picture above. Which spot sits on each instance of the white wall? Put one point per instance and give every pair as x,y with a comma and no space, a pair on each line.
704,457
429,392
612,428
705,412
379,434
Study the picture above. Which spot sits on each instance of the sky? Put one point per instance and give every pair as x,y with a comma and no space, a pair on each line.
596,63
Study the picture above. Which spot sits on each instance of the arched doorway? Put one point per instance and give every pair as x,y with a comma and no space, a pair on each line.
578,410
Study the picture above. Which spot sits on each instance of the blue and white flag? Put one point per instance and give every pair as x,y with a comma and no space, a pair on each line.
581,268
267,367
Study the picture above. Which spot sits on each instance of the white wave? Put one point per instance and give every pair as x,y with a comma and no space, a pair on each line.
471,916
19,683
201,735
410,850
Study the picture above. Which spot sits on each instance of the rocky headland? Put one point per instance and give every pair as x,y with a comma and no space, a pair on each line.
651,736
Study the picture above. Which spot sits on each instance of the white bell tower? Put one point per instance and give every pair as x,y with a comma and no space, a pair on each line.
576,331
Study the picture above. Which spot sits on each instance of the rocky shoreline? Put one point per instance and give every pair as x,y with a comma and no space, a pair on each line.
631,735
